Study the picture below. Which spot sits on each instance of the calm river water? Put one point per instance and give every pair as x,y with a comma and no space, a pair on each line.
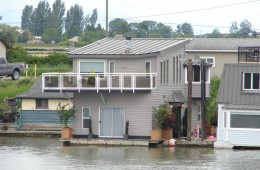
46,153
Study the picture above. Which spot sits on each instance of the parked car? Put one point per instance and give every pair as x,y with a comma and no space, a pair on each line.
11,69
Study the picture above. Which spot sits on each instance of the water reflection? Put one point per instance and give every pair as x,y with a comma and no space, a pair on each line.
47,153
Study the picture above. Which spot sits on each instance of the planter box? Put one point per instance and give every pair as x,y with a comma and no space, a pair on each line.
167,134
210,130
66,133
156,134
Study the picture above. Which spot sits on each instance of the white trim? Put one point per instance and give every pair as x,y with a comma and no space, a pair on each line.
209,57
149,70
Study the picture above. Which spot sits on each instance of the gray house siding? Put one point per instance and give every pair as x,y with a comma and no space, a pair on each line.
137,110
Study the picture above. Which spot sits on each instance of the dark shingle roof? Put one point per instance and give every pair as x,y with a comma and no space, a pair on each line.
201,44
117,46
36,92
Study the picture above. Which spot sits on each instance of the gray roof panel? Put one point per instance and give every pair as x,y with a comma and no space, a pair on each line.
177,97
204,44
117,46
241,107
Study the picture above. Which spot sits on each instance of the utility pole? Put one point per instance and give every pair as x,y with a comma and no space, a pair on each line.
189,100
203,100
107,17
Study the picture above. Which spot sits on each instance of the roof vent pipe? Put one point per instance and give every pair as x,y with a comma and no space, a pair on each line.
128,43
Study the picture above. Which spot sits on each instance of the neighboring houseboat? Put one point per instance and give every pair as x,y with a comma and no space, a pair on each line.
38,109
218,51
238,101
116,80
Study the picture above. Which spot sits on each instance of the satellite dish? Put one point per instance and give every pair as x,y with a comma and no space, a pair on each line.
184,58
71,47
196,60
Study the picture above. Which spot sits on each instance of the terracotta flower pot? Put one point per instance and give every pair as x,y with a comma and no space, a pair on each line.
66,133
167,134
156,135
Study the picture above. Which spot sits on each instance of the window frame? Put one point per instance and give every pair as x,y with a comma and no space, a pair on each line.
245,113
91,61
43,107
207,76
114,70
206,58
150,69
251,81
83,118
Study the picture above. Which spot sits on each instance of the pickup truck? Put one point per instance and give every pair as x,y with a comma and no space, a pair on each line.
11,69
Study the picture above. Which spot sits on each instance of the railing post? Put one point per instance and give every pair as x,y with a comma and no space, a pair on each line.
133,80
151,81
97,81
121,82
60,84
109,82
43,82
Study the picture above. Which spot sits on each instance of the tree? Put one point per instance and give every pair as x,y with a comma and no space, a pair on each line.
26,18
211,104
9,34
90,21
163,30
184,30
55,22
74,21
40,18
145,28
245,28
118,26
215,34
234,28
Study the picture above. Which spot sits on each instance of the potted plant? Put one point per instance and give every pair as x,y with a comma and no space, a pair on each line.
167,126
160,114
126,129
65,113
91,79
90,134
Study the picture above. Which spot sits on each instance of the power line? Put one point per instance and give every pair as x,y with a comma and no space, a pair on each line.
195,10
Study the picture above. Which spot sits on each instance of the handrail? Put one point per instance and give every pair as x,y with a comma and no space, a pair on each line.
103,81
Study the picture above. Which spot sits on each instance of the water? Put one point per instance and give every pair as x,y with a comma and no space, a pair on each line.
47,153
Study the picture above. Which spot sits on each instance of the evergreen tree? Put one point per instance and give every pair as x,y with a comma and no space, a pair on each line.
26,18
74,21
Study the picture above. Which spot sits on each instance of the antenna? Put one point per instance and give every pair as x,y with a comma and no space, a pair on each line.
196,60
71,47
184,58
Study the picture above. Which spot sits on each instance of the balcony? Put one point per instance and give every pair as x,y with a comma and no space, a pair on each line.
249,54
102,81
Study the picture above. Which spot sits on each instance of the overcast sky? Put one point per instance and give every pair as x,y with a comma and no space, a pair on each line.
203,15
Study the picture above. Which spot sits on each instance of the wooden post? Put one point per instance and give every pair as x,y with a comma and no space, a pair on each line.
189,99
203,100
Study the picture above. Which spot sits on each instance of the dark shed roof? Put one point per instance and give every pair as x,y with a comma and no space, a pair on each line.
222,44
36,92
117,46
177,97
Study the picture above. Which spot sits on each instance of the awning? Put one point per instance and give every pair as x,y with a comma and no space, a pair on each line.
241,107
177,98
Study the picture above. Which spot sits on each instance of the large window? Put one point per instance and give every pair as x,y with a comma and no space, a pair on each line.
251,81
85,117
41,103
196,72
238,120
92,66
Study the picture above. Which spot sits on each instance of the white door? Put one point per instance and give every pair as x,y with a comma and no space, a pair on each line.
111,122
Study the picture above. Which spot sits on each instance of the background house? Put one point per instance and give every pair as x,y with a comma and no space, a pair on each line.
38,109
3,47
218,51
129,77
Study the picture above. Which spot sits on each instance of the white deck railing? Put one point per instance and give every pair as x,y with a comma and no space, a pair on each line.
98,81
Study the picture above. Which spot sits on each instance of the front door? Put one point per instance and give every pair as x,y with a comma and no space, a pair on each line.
111,122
